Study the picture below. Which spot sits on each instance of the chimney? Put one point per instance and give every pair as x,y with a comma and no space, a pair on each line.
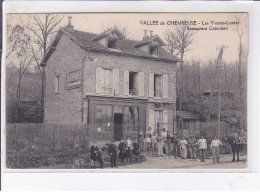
69,26
151,33
145,34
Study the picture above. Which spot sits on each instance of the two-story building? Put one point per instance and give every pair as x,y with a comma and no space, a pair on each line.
113,84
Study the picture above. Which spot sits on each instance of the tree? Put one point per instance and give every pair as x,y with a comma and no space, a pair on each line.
18,40
178,40
19,43
241,30
123,29
42,31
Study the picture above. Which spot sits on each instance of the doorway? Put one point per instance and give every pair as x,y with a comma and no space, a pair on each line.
118,126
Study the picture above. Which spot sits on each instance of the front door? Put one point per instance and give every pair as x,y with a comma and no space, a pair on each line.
118,126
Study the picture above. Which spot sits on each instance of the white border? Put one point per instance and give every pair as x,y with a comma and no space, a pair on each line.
178,180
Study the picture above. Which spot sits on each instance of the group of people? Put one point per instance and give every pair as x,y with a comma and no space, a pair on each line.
128,150
164,143
154,144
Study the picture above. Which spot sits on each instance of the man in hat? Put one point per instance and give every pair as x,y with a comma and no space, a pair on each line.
113,153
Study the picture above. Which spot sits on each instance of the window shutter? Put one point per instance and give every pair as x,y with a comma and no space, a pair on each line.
165,86
151,85
116,81
141,83
151,120
98,80
57,84
126,82
165,120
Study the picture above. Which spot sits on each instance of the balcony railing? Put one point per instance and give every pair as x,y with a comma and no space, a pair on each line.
133,92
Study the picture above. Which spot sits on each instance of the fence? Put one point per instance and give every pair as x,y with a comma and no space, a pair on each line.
30,145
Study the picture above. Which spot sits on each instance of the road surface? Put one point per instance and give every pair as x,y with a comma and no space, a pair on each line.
172,163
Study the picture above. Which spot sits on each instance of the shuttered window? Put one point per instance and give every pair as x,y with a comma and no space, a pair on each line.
126,83
151,85
141,83
165,86
158,86
116,81
98,80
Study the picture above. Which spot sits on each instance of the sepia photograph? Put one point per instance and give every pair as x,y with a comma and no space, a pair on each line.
126,91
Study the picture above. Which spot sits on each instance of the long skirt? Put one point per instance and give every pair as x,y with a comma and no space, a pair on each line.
184,153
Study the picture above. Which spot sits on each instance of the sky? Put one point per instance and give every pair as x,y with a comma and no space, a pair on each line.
204,47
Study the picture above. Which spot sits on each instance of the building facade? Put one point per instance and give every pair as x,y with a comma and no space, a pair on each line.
113,85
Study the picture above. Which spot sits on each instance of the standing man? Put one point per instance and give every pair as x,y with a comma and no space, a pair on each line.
193,147
168,144
164,135
129,146
202,147
148,144
141,139
154,144
183,148
160,143
174,142
215,143
93,155
112,152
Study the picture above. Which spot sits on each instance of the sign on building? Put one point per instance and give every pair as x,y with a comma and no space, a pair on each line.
73,80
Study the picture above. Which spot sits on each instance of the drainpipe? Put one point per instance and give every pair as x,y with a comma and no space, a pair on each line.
82,90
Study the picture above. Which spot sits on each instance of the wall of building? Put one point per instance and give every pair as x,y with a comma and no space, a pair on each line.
122,63
64,107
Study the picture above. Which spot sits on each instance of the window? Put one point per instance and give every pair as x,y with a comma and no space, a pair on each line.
107,81
158,119
131,118
154,50
57,84
112,43
133,83
103,117
158,86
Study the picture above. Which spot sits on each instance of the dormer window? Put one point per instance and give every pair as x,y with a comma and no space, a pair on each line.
112,43
110,38
150,44
154,51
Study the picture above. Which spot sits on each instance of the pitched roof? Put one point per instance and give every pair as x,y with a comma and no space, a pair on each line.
150,39
126,46
106,33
